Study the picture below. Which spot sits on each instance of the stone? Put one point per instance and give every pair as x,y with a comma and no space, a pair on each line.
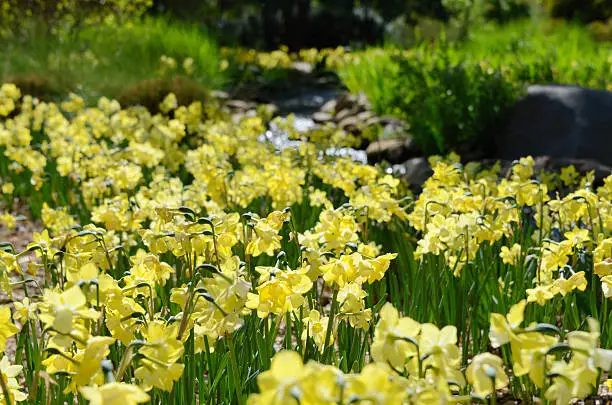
414,171
238,105
386,119
342,114
350,121
329,107
395,150
322,117
362,100
236,118
303,67
220,94
582,166
346,101
271,109
560,122
393,130
375,120
364,116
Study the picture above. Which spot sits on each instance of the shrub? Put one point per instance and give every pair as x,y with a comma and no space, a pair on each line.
581,10
40,86
451,94
70,14
602,31
150,93
450,105
448,101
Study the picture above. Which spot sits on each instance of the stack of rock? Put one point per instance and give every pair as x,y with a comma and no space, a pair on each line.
239,109
353,113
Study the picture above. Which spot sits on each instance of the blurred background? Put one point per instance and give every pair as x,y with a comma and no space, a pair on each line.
310,23
268,24
448,69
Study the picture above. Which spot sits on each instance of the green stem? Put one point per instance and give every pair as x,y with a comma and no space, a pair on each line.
330,323
5,391
235,373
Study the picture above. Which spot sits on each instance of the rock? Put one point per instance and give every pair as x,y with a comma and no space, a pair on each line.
414,171
393,129
220,94
582,166
346,102
329,107
560,122
350,121
236,118
386,119
322,117
394,150
238,105
342,114
362,100
372,121
364,116
303,67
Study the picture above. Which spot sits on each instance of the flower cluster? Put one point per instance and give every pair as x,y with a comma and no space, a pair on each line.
181,251
417,363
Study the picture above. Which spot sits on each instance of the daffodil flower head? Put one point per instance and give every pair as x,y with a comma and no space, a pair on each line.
486,374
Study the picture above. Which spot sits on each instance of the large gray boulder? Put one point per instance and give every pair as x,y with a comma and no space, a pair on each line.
561,122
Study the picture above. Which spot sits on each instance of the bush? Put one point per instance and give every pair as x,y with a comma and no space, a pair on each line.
451,94
42,87
582,10
602,31
451,105
449,102
67,14
150,93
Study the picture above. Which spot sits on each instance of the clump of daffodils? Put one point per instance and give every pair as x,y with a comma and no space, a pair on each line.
182,254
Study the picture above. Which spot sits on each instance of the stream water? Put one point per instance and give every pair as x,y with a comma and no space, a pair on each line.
302,106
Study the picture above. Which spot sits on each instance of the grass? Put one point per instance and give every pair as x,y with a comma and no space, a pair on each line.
105,60
506,59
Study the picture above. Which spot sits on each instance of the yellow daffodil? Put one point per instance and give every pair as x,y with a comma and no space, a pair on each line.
8,373
486,374
114,393
7,328
394,340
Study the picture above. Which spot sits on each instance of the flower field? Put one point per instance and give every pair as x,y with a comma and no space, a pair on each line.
185,260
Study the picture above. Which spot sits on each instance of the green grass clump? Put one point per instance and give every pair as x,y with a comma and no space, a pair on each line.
107,59
451,94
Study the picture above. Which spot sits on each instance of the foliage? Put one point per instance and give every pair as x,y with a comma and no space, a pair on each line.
453,93
583,11
67,14
451,104
108,59
152,92
602,31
